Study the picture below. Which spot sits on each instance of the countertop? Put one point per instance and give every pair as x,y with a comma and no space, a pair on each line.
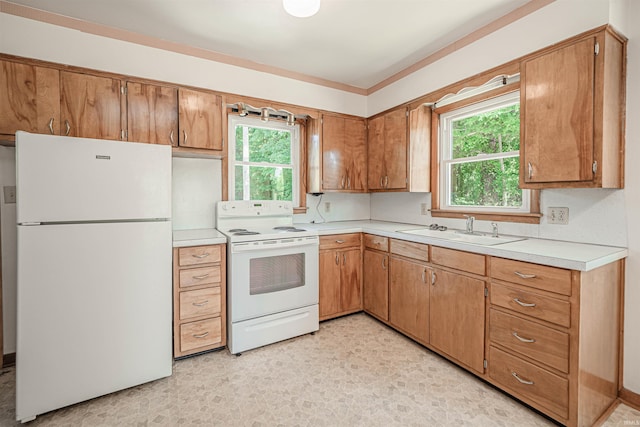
197,237
574,256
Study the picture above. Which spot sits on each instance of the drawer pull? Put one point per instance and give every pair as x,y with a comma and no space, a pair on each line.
340,241
204,255
524,276
204,276
201,335
515,334
515,375
200,304
524,304
51,126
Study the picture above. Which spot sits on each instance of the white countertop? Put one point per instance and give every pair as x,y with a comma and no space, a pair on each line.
574,256
198,237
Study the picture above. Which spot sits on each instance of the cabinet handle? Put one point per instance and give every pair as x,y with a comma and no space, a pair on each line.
530,167
68,127
424,276
204,255
524,276
204,276
51,125
340,241
200,335
184,132
524,304
171,137
433,277
386,181
384,265
382,182
349,183
530,340
342,182
200,304
344,259
515,375
337,259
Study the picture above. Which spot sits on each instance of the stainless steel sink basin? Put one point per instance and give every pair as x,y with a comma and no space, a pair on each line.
476,238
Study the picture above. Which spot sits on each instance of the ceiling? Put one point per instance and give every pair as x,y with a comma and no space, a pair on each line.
358,43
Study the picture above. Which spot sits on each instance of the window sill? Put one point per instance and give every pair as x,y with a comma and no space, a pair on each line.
526,218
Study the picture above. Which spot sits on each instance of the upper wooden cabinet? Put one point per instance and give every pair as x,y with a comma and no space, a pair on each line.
90,106
387,145
152,113
572,114
344,153
31,99
200,119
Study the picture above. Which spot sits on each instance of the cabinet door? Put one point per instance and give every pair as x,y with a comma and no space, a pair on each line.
31,99
90,106
355,146
409,297
329,283
375,148
457,317
557,101
200,119
351,280
152,114
333,153
376,284
395,149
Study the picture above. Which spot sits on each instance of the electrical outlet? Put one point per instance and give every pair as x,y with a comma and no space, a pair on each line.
9,194
558,216
327,206
423,209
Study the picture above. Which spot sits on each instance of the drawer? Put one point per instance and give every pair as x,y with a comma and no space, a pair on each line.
339,241
200,276
466,261
200,334
538,342
530,381
199,255
200,302
537,276
542,307
418,251
376,242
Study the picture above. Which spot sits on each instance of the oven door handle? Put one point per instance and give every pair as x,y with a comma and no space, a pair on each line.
265,245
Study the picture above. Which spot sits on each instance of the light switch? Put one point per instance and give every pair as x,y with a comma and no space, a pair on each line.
9,194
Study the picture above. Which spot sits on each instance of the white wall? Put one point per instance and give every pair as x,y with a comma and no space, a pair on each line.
196,188
343,207
8,232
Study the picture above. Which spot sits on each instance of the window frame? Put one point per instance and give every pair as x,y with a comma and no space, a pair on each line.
296,145
445,141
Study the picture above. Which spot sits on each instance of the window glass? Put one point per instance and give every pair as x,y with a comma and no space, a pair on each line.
480,157
265,160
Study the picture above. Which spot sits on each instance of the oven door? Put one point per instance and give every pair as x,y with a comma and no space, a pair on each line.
272,276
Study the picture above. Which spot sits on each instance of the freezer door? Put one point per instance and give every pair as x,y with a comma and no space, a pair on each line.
64,179
94,311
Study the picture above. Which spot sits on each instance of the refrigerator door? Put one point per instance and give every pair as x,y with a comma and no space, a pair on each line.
94,311
64,179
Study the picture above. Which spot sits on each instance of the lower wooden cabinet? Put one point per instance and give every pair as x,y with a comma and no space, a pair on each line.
199,299
340,275
376,284
409,283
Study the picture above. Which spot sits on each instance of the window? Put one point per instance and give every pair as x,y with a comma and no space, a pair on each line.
263,160
480,157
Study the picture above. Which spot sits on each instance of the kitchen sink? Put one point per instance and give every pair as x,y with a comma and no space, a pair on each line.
476,238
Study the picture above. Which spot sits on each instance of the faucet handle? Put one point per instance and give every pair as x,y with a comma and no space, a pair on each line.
494,227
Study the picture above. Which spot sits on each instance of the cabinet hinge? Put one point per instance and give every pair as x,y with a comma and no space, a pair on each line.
597,48
123,90
484,363
486,292
124,134
594,167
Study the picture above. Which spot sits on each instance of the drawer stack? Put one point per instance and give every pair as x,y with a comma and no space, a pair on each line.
529,336
199,302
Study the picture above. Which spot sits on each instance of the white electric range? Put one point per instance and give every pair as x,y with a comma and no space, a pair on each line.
272,273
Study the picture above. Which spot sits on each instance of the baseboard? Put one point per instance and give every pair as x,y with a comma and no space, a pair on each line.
8,360
630,398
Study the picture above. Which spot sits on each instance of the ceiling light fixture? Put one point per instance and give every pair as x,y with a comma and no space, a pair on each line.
301,8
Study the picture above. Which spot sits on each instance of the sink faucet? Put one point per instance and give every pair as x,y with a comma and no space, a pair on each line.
494,227
469,224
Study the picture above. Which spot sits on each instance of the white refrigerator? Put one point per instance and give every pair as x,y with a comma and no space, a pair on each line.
94,291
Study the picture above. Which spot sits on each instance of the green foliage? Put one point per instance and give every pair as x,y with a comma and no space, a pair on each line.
486,182
267,146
